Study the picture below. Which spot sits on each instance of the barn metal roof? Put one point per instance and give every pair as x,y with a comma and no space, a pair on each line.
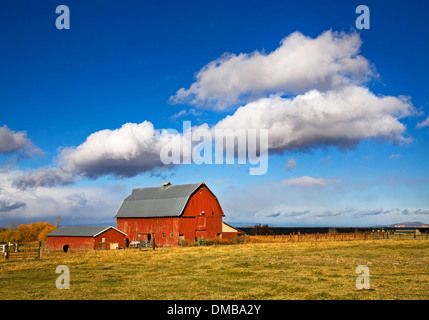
166,201
80,231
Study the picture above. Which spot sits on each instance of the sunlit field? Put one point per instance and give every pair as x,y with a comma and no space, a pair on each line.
258,269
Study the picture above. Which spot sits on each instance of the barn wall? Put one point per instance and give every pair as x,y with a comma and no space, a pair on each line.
111,236
207,225
162,228
229,235
75,243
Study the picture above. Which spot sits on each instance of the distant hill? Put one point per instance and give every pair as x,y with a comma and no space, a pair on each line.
415,224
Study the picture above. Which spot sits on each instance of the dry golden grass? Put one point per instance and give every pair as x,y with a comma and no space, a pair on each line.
399,269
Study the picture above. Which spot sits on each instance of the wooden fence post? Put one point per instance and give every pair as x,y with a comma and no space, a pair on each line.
7,251
153,242
39,255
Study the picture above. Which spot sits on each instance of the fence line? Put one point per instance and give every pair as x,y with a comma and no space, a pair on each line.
18,251
298,237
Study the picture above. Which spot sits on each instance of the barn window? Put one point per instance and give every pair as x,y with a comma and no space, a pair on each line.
163,235
212,212
171,235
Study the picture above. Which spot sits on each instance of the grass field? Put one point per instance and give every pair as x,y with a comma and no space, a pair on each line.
399,269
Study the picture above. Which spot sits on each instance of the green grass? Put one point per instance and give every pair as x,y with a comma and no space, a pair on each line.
399,269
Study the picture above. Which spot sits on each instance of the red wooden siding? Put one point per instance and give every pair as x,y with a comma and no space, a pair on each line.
111,236
165,230
88,243
230,235
75,243
202,217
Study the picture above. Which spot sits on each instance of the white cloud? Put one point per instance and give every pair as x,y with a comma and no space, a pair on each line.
124,152
332,109
299,64
424,123
186,112
340,118
16,142
305,181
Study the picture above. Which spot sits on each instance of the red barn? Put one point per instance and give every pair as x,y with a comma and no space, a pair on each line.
85,238
171,213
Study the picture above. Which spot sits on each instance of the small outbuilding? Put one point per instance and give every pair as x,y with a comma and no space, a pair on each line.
86,238
229,232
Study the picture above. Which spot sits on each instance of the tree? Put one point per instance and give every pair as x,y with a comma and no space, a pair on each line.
263,229
35,231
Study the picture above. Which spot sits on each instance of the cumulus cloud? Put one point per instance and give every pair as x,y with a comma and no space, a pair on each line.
340,118
124,152
330,108
16,142
298,65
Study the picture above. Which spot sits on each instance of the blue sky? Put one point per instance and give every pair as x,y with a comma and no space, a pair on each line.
124,62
